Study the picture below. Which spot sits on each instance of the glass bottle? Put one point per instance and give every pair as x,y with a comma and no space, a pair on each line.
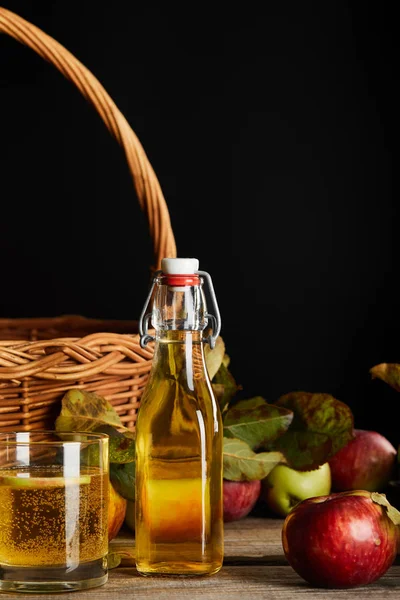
179,502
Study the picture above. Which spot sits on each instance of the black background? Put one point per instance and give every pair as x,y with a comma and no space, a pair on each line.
272,136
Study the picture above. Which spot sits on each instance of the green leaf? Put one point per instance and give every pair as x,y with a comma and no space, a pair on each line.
224,386
214,357
123,479
85,411
389,373
122,450
242,464
121,445
321,426
256,422
305,450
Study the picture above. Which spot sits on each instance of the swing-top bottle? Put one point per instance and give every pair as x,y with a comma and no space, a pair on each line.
179,511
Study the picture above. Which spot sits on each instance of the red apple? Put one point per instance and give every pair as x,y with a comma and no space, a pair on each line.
367,462
341,540
240,498
116,512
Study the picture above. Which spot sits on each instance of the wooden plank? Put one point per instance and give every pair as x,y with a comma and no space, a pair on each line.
231,583
240,583
252,540
254,567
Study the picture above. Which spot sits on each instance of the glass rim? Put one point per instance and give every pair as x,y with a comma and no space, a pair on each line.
8,438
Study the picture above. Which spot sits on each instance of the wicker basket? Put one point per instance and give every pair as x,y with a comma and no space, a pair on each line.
40,359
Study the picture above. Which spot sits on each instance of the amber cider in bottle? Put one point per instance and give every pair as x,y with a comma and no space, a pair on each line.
179,510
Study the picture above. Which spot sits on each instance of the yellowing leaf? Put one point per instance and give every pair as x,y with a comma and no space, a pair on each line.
123,555
113,560
224,386
226,360
214,357
392,512
85,411
389,373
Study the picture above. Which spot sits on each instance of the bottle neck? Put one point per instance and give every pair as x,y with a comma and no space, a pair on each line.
178,308
175,336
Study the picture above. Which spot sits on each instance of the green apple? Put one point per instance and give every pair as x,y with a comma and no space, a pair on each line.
285,487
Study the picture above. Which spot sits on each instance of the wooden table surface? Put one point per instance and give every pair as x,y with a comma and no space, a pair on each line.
254,567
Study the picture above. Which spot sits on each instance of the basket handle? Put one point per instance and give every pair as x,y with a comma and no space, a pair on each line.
147,187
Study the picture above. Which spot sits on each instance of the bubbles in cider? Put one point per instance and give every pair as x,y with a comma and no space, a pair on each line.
49,519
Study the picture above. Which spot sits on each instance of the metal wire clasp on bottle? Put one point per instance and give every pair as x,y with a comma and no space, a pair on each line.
215,319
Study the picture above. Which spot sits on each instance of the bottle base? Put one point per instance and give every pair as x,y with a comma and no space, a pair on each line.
177,569
41,579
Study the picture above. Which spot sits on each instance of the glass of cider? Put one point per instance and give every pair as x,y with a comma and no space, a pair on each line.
53,511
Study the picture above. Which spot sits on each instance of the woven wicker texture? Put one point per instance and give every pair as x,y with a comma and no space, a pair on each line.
40,359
